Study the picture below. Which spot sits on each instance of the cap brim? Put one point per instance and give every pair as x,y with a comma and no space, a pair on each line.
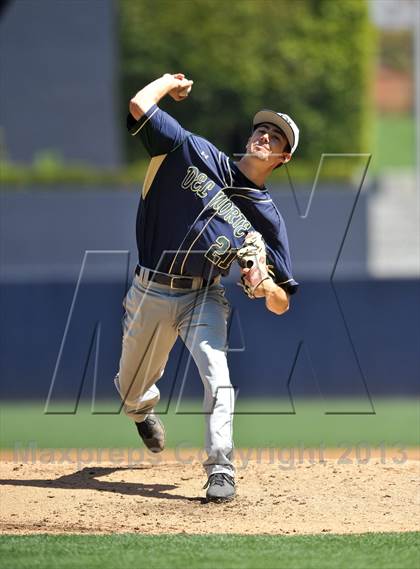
277,120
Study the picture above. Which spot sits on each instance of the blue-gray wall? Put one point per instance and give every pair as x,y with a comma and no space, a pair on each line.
59,87
45,233
349,335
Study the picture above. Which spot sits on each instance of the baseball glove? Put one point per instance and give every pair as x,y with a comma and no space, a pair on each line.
252,259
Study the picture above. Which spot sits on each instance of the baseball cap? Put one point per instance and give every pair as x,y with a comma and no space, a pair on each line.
283,122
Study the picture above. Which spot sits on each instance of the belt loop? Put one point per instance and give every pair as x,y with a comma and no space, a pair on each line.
142,276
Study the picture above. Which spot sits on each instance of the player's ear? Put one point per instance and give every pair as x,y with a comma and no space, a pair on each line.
284,157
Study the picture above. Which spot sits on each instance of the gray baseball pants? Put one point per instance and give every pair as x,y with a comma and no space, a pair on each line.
155,315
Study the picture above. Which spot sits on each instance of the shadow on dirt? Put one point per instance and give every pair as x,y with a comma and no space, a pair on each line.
87,479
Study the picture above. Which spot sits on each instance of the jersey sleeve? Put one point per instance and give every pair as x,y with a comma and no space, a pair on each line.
158,131
266,219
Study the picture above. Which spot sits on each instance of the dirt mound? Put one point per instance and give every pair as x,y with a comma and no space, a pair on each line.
164,495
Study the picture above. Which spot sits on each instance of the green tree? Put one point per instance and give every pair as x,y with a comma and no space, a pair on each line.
309,58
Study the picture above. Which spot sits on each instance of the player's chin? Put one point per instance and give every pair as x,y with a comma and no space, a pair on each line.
261,155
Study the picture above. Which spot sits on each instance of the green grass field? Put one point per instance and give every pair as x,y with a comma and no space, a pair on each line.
395,422
393,142
376,551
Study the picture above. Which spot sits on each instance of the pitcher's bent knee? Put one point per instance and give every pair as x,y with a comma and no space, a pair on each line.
137,402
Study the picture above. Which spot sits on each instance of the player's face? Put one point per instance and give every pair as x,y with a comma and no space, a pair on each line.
267,143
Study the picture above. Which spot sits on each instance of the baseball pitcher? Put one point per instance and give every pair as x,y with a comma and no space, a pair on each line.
199,212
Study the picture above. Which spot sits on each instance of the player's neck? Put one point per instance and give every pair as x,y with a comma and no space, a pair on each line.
253,170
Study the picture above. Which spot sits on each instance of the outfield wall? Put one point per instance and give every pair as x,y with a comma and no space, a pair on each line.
348,335
379,315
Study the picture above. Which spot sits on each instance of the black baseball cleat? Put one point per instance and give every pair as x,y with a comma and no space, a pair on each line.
152,432
220,487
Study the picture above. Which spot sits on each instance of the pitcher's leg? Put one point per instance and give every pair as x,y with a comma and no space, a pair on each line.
203,328
149,335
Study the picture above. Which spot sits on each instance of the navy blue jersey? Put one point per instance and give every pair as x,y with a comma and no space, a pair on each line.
196,206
